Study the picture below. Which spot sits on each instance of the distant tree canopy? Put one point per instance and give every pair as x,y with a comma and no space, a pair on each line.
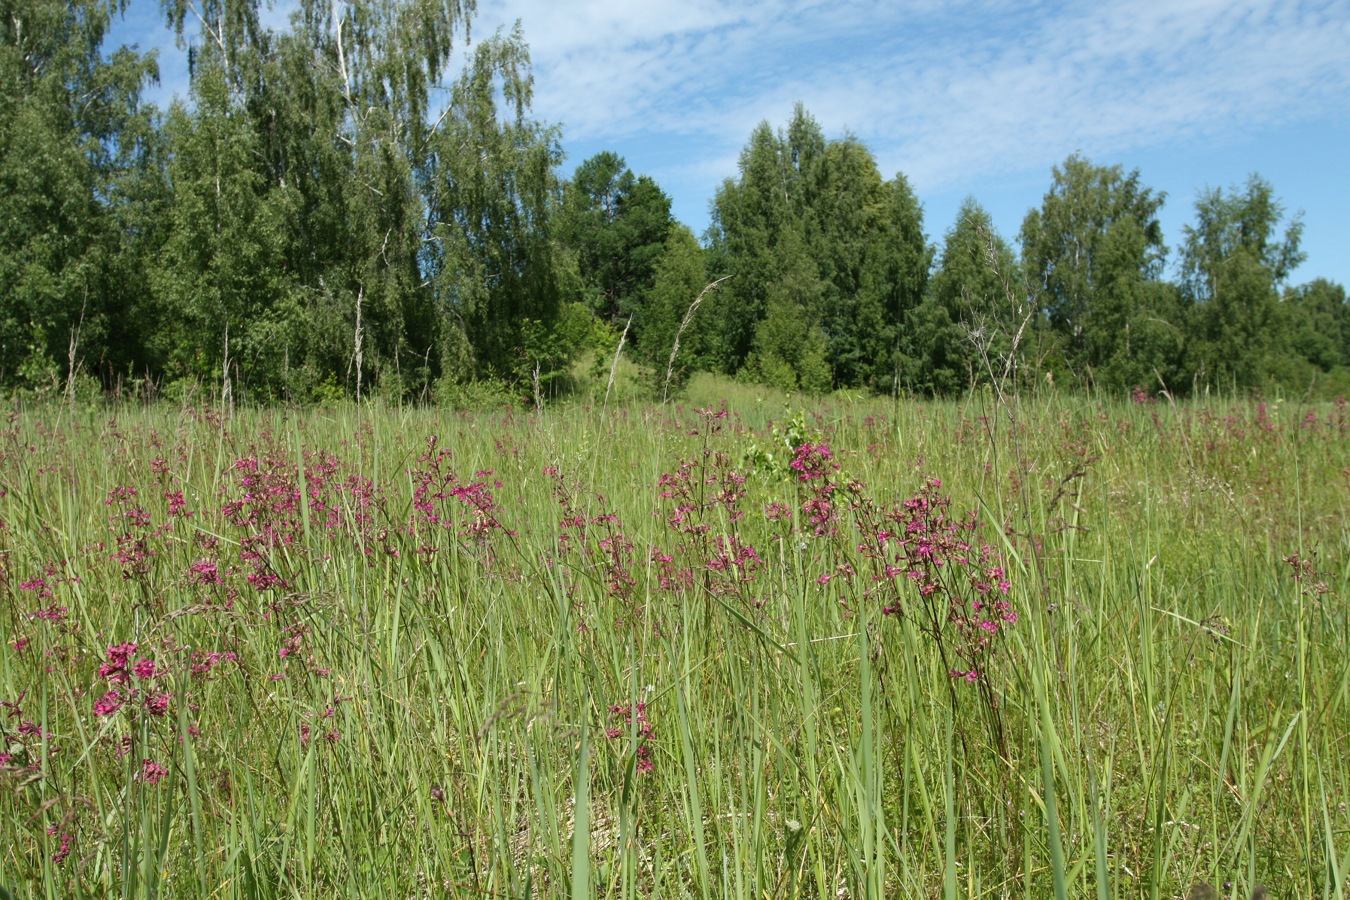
335,212
829,259
964,329
1095,252
78,203
616,224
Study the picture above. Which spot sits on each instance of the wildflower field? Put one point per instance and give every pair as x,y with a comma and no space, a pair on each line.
1064,648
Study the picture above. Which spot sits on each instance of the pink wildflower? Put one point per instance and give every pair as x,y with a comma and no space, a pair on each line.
152,772
108,704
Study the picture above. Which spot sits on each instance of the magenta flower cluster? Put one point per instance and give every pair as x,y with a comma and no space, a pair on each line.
634,720
131,683
954,582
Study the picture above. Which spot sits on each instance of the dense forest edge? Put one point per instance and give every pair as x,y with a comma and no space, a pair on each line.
337,211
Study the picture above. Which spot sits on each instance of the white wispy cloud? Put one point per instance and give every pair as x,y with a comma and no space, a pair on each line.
945,92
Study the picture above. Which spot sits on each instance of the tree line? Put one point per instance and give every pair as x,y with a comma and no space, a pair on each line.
335,213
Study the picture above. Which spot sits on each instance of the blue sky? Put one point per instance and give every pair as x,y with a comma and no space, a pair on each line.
976,98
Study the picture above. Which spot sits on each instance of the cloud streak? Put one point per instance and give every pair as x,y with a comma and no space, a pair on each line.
945,92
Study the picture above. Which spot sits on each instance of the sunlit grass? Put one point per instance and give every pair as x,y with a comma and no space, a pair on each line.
423,680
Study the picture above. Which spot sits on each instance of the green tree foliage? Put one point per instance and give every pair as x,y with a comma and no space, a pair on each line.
1233,264
72,144
748,217
616,223
325,224
964,330
815,235
332,212
790,349
1317,320
1095,250
680,276
867,237
1149,349
496,268
220,279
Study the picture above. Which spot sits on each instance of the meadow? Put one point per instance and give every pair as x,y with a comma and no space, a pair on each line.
852,648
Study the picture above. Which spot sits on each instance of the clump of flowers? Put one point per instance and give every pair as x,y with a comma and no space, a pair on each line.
130,682
152,772
66,840
937,569
814,465
297,647
634,718
21,748
703,496
267,511
596,547
131,527
331,733
957,578
1311,581
44,587
813,462
475,515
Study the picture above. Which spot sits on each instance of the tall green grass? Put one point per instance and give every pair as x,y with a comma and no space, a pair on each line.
457,712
